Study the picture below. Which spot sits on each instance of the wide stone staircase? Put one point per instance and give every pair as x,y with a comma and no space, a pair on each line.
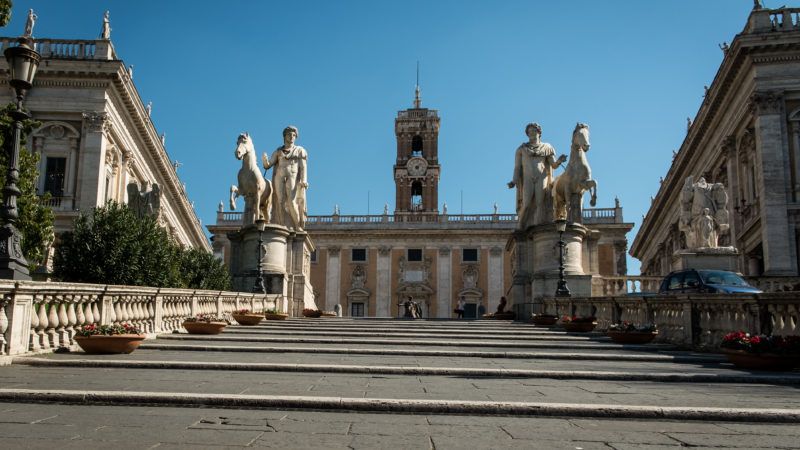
383,383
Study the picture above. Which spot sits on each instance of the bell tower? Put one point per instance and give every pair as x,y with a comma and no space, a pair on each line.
416,169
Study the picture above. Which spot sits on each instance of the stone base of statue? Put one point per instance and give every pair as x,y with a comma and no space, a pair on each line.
535,262
285,262
717,258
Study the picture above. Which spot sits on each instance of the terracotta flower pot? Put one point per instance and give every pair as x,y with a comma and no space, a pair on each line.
328,314
505,315
543,321
632,337
248,319
275,316
106,345
761,361
204,327
312,314
579,327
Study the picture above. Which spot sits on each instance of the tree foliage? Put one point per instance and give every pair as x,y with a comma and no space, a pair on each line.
111,245
5,12
35,219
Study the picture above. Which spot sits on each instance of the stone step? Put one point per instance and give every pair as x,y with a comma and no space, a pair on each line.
408,406
483,336
431,331
567,354
683,376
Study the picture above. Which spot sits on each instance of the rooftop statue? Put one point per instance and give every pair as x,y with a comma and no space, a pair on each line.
290,181
534,162
256,190
704,213
105,33
576,179
29,23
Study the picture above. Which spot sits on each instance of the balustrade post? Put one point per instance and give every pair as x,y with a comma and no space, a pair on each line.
19,311
158,314
107,315
220,308
687,324
195,305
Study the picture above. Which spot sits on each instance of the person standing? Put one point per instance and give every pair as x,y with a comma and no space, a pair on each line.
460,308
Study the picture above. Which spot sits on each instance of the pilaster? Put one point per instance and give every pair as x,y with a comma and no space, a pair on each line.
333,277
383,287
444,282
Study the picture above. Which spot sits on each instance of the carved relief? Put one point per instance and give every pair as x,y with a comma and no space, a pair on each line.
358,279
469,276
96,122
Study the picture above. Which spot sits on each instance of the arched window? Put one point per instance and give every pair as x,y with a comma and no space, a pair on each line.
416,196
416,146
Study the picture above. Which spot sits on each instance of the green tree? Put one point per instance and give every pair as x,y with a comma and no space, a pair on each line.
111,245
201,270
5,12
35,219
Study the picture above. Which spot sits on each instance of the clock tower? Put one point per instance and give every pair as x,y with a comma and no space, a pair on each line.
416,169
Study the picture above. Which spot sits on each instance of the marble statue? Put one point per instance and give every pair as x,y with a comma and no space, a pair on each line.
444,208
576,179
385,209
105,33
704,213
289,179
534,163
145,202
149,108
256,190
29,23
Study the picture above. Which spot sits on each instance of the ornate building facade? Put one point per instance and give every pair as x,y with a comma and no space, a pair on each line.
746,135
96,136
369,264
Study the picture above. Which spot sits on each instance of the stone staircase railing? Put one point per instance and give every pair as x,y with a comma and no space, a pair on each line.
37,316
697,321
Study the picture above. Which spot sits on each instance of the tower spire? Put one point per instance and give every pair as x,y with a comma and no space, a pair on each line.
417,99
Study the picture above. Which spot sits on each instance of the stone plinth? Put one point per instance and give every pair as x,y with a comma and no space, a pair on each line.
536,261
286,259
719,258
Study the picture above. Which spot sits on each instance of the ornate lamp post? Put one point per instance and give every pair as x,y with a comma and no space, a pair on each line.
562,290
22,63
259,285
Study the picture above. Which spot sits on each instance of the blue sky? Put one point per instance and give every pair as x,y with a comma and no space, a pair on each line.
340,71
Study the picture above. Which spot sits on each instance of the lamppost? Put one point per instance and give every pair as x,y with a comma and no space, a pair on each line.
22,63
258,287
562,290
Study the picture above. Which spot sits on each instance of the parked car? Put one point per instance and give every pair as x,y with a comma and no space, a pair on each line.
691,281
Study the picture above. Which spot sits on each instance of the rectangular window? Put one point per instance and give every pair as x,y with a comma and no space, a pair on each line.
313,256
415,254
359,255
356,310
469,255
54,176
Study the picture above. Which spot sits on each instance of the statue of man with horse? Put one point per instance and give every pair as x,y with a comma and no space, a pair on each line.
290,181
569,187
256,190
534,163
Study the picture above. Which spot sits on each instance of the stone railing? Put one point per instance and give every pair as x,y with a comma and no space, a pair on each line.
67,48
698,321
781,19
775,284
37,317
622,285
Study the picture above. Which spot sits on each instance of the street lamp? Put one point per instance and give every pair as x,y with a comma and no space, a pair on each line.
258,287
22,64
562,290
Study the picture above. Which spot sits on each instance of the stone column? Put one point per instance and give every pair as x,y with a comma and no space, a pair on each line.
729,152
495,269
445,283
383,283
333,278
91,167
772,156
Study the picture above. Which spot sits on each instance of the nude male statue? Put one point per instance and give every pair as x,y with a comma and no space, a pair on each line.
289,181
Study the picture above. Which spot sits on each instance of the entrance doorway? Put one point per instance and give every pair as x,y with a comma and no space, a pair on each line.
470,310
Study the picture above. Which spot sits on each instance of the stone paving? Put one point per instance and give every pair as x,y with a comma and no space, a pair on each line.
571,391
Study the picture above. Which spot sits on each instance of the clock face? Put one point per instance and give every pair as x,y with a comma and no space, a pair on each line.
416,166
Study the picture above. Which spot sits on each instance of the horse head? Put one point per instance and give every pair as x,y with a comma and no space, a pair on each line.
243,145
580,137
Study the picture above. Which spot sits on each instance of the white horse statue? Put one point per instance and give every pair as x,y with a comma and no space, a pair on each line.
256,190
576,179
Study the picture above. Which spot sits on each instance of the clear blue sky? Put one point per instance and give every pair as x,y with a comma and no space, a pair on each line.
340,71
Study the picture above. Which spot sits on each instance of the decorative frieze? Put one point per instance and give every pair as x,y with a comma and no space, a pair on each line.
767,102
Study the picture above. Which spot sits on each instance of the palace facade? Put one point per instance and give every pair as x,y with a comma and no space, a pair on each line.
96,136
745,135
369,264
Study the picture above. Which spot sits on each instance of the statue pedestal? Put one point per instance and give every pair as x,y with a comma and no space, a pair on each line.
286,263
536,259
719,258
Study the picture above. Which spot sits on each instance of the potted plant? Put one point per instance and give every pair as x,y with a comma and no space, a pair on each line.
245,317
761,352
109,339
204,324
274,314
579,324
628,333
543,320
308,312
